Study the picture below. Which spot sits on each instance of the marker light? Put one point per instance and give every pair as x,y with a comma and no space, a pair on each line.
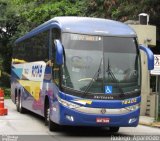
133,107
132,120
68,104
71,118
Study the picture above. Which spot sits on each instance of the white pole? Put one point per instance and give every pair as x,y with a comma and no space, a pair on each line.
157,99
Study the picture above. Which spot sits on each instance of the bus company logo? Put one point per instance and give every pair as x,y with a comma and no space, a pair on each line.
37,71
103,111
129,101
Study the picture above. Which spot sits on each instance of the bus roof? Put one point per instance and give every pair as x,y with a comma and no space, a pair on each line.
84,25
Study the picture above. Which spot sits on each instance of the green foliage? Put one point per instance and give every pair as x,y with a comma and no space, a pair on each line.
8,24
5,80
7,92
123,10
36,12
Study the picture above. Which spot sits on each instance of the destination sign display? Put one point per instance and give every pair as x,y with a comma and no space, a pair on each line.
85,37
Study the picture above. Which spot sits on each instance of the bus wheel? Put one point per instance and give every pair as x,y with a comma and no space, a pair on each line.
53,126
47,112
19,105
114,129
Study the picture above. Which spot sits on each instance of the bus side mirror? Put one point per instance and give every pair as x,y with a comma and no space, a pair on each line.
150,56
59,52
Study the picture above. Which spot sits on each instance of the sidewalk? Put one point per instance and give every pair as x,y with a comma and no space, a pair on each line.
148,121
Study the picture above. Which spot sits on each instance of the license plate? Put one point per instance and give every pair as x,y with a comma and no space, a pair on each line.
102,120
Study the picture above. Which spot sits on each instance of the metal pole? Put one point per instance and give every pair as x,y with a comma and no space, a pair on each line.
157,99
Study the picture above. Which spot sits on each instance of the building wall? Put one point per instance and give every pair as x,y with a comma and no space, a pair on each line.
145,89
148,105
146,36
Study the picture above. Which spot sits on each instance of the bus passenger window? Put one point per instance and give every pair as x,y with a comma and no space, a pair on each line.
55,72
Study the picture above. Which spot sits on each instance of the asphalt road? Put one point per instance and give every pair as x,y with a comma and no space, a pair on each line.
28,127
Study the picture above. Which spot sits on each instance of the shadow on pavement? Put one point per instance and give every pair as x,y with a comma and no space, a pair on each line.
87,132
77,131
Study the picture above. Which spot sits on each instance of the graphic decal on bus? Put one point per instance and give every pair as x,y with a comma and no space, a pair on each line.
30,76
36,70
30,71
17,72
18,61
31,87
129,101
83,101
108,89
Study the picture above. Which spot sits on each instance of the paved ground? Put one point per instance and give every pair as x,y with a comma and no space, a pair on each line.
15,124
149,121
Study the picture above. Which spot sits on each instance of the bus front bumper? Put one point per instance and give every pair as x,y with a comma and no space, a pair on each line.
76,118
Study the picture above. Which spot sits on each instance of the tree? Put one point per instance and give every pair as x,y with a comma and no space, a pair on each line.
8,23
123,10
36,12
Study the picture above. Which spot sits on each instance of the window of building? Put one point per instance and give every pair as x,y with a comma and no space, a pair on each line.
153,83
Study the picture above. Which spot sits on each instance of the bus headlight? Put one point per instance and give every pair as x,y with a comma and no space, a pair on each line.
133,107
68,104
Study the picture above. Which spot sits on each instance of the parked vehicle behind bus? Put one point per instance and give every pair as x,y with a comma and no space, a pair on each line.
79,71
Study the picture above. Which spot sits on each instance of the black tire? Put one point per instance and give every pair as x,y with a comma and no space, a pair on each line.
19,104
53,126
46,113
114,129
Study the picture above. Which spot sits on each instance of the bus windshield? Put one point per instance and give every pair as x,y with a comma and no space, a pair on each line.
94,62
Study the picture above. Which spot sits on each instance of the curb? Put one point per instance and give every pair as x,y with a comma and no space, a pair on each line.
153,124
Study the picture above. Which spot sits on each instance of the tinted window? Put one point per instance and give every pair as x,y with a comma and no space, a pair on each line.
119,45
33,49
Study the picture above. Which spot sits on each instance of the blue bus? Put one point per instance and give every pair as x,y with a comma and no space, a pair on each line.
79,71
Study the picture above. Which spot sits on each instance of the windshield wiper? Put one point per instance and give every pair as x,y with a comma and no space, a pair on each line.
109,71
95,77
